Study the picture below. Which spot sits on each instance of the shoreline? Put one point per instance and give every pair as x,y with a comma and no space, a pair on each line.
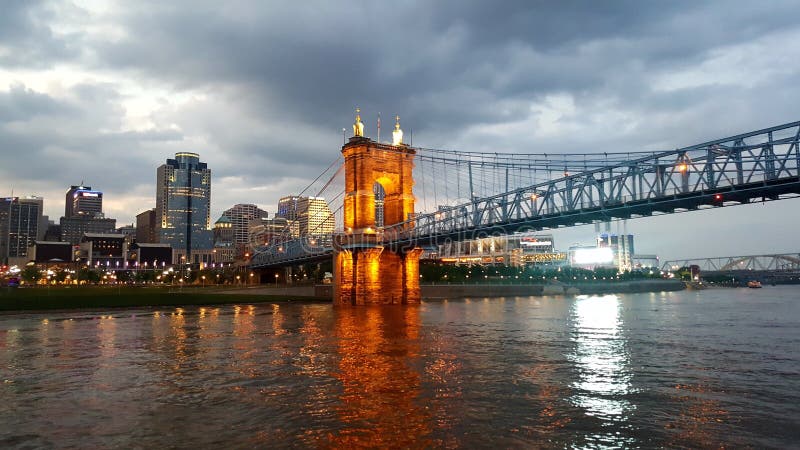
63,299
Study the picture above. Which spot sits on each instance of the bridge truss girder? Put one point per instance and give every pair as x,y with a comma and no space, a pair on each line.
774,262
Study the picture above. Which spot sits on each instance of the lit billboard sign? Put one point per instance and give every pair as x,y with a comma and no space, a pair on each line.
87,194
536,243
593,255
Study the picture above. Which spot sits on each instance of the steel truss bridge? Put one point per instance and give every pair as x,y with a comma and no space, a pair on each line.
577,189
774,263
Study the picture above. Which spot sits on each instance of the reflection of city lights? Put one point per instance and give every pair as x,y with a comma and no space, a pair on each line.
602,357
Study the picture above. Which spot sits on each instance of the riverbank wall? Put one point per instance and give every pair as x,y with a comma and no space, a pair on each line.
442,291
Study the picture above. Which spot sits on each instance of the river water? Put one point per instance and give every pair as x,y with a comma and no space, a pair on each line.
685,369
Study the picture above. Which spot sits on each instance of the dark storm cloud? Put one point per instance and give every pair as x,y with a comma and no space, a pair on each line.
26,31
22,104
315,58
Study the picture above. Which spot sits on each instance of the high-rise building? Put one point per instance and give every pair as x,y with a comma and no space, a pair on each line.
287,207
146,227
73,228
20,220
270,231
224,246
240,217
83,201
314,216
83,213
183,207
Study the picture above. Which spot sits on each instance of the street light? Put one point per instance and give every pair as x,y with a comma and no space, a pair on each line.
251,277
276,280
204,280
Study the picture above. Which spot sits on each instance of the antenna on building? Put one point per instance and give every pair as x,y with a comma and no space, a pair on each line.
379,127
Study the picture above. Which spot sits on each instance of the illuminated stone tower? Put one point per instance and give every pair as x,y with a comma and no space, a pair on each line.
365,271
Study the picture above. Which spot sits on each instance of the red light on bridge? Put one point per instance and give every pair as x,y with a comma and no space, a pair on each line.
718,197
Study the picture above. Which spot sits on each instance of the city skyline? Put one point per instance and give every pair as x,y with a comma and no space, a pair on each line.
103,92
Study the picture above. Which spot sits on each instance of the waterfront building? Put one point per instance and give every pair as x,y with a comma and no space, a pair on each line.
20,228
183,207
147,255
83,201
44,252
270,231
146,226
239,216
314,216
287,207
645,261
83,213
621,247
514,250
224,246
53,232
103,250
73,228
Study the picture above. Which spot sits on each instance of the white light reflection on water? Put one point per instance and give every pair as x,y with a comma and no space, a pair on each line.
601,360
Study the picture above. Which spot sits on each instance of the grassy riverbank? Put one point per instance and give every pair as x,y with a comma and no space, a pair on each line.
44,298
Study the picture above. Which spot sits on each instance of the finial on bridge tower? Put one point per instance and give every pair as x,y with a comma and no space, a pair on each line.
358,126
397,134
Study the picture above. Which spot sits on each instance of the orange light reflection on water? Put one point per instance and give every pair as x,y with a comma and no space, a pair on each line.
379,404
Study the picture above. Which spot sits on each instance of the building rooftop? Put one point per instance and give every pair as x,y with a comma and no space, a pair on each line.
103,236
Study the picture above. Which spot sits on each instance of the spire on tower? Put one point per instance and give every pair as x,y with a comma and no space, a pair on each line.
358,126
397,134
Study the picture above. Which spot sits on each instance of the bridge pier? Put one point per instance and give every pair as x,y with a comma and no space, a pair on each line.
365,271
376,276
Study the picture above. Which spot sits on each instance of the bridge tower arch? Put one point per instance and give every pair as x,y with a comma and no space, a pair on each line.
366,271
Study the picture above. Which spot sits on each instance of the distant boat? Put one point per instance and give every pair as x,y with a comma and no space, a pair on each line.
754,284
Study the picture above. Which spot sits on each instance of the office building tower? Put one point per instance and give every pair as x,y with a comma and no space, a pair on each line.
83,213
287,207
240,216
146,227
265,232
20,220
314,216
183,207
224,246
83,201
73,228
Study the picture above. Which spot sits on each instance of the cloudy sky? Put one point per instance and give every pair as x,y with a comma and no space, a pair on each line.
103,92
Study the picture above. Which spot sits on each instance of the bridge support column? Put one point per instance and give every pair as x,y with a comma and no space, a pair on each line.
368,270
376,276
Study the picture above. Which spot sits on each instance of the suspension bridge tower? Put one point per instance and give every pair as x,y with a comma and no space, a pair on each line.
366,272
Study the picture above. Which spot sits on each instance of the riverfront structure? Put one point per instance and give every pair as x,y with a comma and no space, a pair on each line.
82,200
20,227
183,207
239,217
83,213
366,272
